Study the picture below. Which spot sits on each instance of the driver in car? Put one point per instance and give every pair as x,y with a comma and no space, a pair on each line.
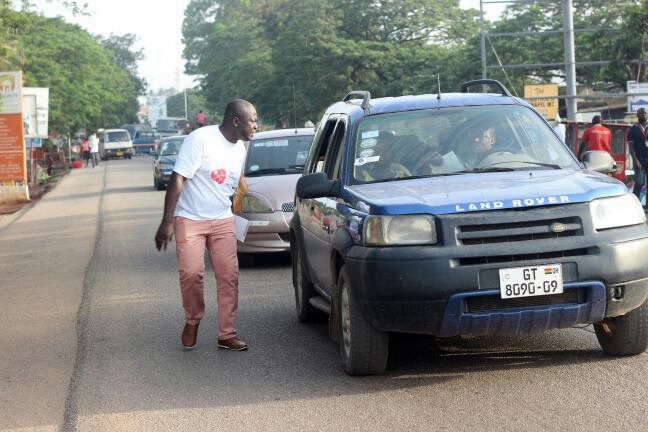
480,143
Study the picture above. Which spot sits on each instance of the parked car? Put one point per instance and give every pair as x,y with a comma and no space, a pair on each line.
164,160
115,143
462,214
275,160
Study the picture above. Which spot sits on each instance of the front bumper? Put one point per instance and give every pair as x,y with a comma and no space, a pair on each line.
421,289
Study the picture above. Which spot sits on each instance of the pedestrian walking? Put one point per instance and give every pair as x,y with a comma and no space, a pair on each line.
639,151
94,149
197,209
85,150
595,137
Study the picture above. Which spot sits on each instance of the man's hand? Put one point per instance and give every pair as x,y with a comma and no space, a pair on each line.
164,235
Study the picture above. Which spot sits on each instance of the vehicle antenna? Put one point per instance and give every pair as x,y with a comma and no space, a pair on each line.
438,87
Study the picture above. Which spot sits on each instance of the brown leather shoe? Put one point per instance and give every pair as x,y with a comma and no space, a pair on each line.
189,335
232,344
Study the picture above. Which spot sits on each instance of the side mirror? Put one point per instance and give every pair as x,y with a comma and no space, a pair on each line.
317,185
599,161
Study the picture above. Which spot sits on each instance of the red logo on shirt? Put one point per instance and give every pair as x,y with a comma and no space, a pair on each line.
219,175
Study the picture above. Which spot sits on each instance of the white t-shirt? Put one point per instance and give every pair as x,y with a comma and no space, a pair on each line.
212,166
94,144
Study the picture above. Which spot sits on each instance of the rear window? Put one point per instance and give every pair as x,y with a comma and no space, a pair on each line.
118,136
285,155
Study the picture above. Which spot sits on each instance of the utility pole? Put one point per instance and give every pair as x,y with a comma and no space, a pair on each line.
570,58
483,38
186,111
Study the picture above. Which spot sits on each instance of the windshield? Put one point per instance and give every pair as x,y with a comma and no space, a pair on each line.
285,155
170,147
118,136
455,140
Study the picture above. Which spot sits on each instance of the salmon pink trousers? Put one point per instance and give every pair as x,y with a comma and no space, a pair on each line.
192,237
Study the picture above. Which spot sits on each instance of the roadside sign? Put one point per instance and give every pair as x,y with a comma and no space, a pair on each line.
637,96
13,168
36,111
547,107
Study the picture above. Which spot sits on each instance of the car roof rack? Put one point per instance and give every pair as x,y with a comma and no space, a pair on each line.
504,91
365,95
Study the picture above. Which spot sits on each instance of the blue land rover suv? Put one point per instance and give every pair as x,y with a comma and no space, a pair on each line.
462,214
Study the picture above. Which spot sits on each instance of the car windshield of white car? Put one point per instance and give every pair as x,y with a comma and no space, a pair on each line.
474,139
276,156
117,136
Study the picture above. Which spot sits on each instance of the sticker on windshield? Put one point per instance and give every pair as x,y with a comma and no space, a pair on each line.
367,152
368,143
365,160
370,134
254,167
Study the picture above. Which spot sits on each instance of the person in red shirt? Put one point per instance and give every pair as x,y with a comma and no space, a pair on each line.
85,150
596,137
200,119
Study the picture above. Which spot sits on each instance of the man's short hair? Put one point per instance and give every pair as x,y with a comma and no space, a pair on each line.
596,119
236,108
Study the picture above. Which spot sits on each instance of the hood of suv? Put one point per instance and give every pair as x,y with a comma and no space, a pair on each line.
486,191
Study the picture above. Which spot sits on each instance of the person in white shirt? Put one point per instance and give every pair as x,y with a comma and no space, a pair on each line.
94,149
197,208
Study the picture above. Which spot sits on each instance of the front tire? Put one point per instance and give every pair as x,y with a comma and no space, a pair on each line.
363,348
304,289
624,335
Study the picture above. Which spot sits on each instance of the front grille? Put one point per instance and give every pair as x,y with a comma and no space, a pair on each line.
494,302
498,259
518,231
288,207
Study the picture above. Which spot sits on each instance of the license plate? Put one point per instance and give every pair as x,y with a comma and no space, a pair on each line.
119,154
531,281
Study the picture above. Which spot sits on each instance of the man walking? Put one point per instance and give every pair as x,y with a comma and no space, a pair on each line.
94,149
638,150
197,209
596,137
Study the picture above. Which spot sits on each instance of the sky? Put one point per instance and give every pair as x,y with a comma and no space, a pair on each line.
158,26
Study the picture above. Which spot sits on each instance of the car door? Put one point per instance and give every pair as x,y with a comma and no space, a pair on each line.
317,215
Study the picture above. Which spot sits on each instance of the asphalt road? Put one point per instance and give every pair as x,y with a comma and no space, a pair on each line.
131,373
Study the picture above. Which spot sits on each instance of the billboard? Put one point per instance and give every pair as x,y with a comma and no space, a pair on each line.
35,111
13,169
637,96
547,107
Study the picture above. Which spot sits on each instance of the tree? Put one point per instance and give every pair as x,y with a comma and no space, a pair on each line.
125,55
293,58
87,89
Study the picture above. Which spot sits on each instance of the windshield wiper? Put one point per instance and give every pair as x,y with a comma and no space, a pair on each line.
485,170
266,171
548,165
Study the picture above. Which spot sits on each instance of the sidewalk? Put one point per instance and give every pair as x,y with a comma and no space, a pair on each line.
44,250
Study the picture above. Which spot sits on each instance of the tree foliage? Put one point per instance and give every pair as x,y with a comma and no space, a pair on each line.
195,103
292,58
93,83
87,88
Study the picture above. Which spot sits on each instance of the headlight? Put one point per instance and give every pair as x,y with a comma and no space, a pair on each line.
399,230
253,204
616,212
